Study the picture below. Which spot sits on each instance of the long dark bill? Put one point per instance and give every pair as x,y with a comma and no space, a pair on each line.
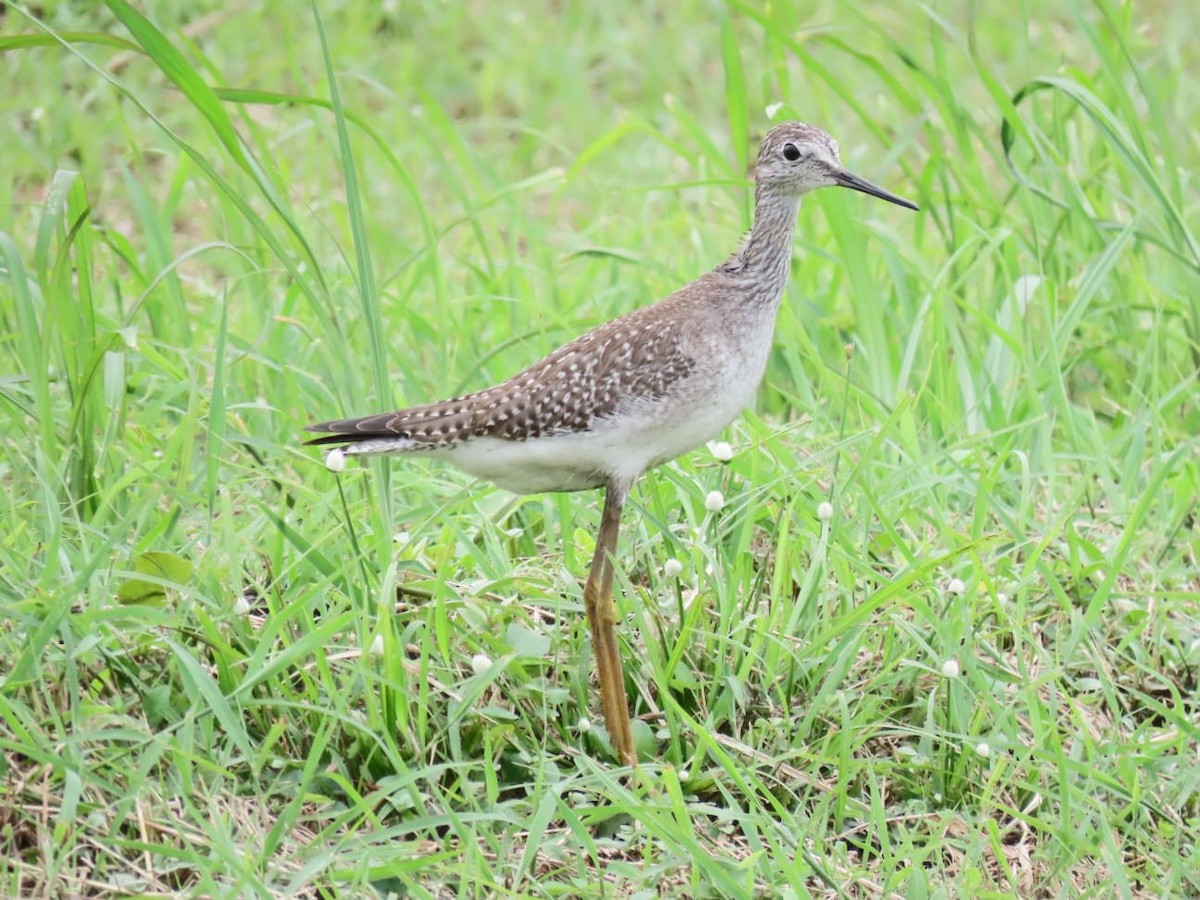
847,180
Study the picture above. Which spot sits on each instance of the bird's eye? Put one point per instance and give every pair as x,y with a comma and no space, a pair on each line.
791,152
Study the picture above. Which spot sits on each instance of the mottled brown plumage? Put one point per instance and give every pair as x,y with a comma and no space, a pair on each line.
632,393
567,391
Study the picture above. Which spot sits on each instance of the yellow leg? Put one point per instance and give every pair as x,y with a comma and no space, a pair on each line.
602,621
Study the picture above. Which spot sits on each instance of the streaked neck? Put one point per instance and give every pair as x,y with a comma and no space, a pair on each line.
765,257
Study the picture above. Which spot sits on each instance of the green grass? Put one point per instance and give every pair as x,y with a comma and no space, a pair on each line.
225,670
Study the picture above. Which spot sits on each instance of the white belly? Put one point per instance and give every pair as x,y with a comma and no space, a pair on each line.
644,433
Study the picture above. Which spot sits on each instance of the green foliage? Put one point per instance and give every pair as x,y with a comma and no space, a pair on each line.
942,638
156,569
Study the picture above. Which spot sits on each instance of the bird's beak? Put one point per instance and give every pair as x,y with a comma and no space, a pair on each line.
842,178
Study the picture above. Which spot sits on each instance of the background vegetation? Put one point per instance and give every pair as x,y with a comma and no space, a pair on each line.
225,670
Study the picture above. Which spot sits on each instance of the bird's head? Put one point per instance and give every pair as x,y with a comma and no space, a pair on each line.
797,158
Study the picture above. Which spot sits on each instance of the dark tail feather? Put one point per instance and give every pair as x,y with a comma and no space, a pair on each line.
352,431
435,425
355,438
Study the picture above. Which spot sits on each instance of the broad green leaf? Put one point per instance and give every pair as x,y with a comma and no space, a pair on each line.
527,643
159,567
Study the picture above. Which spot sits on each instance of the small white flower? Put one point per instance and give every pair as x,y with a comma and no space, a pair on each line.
956,587
824,510
983,749
402,538
950,668
672,568
335,460
584,724
241,605
715,501
377,645
721,450
480,663
685,773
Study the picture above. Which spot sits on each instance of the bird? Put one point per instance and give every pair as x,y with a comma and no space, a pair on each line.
630,394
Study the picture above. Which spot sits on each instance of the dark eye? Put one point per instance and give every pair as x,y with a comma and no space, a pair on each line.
790,152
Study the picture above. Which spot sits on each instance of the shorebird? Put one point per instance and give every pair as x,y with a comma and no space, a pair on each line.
632,393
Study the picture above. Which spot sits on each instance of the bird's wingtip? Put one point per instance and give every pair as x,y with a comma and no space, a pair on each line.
327,438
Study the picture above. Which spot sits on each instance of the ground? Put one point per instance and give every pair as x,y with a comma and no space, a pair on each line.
938,635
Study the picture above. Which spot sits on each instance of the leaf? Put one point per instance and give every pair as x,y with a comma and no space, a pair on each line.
496,714
160,568
175,66
158,706
527,643
645,743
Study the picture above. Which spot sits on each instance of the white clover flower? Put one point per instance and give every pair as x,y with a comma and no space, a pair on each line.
983,749
377,645
480,663
950,668
721,450
584,724
824,510
956,587
715,501
672,568
335,460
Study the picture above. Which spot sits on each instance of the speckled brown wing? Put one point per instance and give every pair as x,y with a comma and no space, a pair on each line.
634,357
